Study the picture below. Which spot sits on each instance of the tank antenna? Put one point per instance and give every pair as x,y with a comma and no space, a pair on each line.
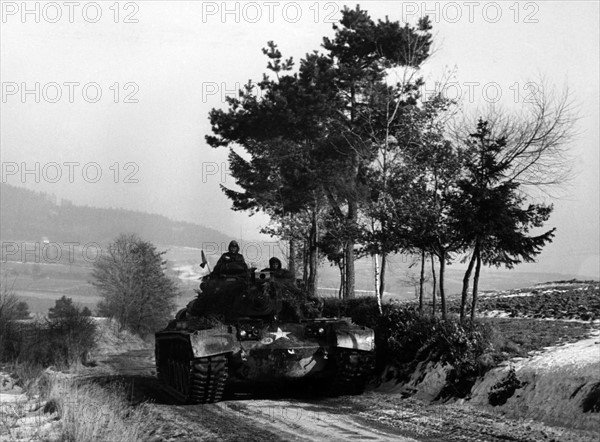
205,262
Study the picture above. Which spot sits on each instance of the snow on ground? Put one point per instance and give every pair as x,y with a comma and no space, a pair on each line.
513,294
565,284
23,417
191,272
542,289
554,386
578,356
495,314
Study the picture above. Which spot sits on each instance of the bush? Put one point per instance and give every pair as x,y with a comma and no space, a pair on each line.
63,307
73,337
363,311
22,310
64,339
11,310
404,337
61,341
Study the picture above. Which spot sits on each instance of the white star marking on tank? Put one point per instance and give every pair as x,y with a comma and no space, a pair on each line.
280,334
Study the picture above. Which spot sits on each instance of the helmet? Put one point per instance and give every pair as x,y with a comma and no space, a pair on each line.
274,263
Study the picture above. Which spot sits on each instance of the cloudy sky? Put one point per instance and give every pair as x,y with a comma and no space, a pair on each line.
106,104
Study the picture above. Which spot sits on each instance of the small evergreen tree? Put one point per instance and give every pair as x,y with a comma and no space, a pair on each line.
490,214
63,308
22,310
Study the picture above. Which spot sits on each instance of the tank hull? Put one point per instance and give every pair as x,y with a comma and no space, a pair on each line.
334,353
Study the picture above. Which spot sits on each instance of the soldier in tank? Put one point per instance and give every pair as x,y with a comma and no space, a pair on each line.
276,269
274,265
232,262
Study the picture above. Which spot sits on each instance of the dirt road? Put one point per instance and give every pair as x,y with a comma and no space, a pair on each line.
269,414
272,414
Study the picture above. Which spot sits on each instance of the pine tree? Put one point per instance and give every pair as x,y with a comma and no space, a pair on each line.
491,214
308,135
63,308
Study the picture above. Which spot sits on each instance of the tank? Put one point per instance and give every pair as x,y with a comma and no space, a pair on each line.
259,327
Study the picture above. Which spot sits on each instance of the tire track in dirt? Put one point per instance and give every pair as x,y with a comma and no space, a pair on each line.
312,420
205,423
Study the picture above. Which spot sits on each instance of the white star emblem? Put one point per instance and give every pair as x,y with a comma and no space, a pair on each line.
280,334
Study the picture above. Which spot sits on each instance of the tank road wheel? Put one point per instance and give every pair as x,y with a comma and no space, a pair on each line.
189,380
352,371
208,379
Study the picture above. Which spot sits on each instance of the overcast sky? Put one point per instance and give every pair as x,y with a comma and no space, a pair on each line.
161,66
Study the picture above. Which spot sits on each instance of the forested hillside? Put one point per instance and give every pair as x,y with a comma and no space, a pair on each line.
29,215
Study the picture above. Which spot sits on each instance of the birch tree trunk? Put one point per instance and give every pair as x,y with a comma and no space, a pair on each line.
377,282
313,255
433,275
442,292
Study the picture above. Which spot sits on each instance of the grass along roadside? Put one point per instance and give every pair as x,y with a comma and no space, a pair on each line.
90,413
57,405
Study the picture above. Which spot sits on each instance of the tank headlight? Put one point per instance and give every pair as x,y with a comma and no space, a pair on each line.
263,276
316,330
249,330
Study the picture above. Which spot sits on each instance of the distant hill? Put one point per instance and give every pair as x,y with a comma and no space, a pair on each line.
27,215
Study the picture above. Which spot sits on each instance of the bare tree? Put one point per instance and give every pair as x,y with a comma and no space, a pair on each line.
8,313
533,154
8,299
538,149
131,278
11,307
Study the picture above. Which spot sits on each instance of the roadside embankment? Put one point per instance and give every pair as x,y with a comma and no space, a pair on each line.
559,386
540,362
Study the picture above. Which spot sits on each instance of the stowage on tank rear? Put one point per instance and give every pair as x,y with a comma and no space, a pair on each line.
255,329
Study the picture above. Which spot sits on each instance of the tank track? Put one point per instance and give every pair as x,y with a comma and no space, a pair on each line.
353,369
191,380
